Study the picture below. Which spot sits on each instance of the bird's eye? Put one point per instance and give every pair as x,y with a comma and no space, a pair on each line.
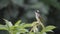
38,11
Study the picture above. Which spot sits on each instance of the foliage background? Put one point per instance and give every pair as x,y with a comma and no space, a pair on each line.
14,10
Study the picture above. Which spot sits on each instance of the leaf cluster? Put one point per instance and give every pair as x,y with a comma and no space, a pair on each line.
19,28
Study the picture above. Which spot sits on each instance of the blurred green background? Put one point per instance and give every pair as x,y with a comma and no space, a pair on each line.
14,10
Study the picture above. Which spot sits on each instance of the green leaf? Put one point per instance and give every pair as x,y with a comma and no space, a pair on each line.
43,33
31,33
8,23
34,23
22,26
23,30
3,27
18,23
49,28
27,25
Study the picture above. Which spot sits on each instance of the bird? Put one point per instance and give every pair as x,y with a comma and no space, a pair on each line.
37,15
36,25
39,18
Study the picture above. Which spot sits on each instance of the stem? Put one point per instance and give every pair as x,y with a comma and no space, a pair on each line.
41,24
33,28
